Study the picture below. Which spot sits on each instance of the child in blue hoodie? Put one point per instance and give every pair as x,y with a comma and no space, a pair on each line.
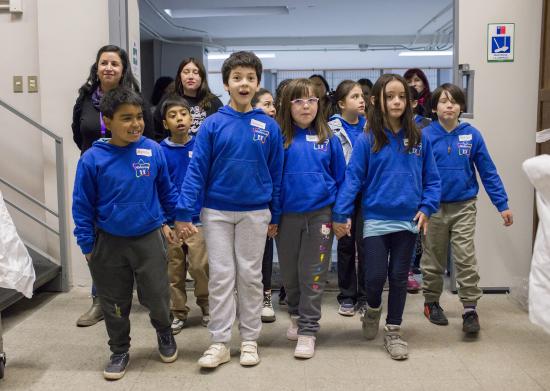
458,149
314,168
393,164
178,149
237,165
349,102
122,193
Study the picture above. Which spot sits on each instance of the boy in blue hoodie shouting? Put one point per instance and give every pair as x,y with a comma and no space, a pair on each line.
122,193
237,164
458,149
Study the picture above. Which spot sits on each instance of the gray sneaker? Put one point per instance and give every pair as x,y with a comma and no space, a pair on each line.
371,321
116,367
394,344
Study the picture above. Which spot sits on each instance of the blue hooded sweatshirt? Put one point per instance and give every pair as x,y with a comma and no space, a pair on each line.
121,190
312,173
396,183
237,162
178,157
456,153
352,130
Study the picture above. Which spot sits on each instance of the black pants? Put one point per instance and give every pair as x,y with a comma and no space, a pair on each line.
267,264
351,280
388,256
115,262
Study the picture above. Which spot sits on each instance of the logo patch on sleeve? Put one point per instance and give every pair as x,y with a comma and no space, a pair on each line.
144,152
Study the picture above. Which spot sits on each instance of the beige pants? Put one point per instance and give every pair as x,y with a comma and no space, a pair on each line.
192,253
455,223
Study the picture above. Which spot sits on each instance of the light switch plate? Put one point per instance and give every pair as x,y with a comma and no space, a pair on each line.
32,83
18,84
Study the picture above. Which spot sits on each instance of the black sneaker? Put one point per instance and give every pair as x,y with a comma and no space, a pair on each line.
435,313
168,349
116,368
470,322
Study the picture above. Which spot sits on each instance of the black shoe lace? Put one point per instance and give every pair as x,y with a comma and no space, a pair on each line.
118,359
267,301
166,339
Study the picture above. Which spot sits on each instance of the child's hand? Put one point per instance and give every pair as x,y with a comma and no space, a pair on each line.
421,222
170,235
272,230
507,217
342,229
185,230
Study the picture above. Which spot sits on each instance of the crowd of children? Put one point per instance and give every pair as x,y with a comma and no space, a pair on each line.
224,184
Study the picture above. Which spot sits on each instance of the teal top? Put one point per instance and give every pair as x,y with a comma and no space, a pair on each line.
383,227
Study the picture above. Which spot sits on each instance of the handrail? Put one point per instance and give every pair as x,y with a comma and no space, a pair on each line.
63,283
30,121
43,224
29,197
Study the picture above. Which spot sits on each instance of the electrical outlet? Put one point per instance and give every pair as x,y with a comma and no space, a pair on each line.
32,83
18,84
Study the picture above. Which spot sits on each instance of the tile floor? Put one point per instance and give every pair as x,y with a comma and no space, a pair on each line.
47,352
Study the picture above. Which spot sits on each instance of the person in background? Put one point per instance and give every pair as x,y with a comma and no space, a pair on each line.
111,69
347,124
162,86
323,92
264,100
417,78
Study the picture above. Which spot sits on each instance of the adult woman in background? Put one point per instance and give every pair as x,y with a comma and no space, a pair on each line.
110,70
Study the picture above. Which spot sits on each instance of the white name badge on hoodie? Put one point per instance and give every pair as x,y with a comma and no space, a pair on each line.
257,124
190,154
144,152
464,137
312,138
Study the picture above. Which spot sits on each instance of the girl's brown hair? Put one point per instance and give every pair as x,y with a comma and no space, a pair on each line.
296,89
204,95
339,95
376,117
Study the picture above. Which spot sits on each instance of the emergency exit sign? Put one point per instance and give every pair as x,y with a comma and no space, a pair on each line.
500,42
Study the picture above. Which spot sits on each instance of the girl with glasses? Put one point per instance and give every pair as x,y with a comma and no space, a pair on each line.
314,167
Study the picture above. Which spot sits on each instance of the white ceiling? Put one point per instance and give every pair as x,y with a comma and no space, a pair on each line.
335,29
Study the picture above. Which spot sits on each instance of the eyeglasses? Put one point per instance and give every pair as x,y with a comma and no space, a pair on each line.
302,102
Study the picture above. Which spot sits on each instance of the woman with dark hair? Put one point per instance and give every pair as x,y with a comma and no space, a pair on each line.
417,78
110,70
192,85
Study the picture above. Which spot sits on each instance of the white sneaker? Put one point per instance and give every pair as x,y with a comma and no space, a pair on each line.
215,355
177,325
249,353
268,314
305,348
292,331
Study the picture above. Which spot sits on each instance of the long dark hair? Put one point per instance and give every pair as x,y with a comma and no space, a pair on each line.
339,95
376,117
425,96
126,80
299,88
204,95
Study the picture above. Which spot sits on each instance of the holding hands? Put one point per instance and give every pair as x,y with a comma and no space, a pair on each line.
184,230
421,222
342,229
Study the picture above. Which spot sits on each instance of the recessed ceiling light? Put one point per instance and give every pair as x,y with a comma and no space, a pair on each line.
183,13
419,53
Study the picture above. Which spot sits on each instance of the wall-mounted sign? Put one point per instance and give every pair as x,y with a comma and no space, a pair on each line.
500,42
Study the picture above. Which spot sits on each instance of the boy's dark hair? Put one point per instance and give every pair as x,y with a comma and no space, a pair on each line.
257,95
204,95
117,97
173,100
365,82
296,89
241,59
454,91
376,117
343,89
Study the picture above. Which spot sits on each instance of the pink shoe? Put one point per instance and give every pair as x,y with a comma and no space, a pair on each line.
412,285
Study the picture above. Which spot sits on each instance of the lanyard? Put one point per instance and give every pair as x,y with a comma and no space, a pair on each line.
103,127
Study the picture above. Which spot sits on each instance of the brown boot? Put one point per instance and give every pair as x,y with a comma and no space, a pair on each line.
92,316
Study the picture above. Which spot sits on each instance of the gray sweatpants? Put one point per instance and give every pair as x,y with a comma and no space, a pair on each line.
304,244
235,243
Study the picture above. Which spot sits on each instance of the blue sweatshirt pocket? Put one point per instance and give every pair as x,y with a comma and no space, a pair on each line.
136,214
396,191
455,183
239,181
305,191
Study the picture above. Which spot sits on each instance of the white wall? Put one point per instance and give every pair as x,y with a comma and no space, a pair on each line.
66,49
505,110
21,144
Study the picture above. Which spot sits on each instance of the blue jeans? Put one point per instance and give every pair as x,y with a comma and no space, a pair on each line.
398,246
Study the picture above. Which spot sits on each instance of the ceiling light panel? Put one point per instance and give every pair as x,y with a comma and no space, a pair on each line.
184,13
